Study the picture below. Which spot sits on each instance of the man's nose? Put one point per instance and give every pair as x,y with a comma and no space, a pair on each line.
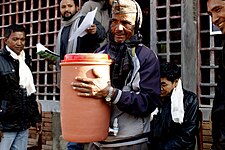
119,26
215,18
19,42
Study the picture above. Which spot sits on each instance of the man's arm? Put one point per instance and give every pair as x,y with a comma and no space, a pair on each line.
143,97
144,101
34,111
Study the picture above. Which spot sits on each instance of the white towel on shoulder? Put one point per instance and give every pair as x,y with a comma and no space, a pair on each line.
26,78
177,104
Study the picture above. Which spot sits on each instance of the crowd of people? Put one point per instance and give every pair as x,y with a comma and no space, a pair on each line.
146,96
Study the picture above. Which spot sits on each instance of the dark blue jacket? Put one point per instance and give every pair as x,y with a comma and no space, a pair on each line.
139,96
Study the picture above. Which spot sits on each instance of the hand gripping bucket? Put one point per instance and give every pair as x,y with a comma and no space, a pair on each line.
83,119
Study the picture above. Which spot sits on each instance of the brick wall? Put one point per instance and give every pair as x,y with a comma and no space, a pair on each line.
207,135
46,136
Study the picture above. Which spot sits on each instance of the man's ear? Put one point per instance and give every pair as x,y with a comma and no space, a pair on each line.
5,40
176,82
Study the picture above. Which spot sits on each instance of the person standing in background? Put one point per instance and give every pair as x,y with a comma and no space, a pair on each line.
133,92
216,9
18,105
175,122
103,12
71,19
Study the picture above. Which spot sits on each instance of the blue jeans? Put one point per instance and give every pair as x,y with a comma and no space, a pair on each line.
14,140
74,146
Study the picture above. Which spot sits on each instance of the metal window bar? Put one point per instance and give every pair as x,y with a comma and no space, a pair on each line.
42,21
168,30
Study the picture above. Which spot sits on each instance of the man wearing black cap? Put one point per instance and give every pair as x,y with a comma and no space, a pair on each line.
133,92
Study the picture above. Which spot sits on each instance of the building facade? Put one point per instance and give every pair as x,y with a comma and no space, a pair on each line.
179,31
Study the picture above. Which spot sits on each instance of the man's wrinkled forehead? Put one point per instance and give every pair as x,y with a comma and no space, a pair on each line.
123,7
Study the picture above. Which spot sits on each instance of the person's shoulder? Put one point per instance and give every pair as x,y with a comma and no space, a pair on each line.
89,2
3,52
190,96
189,92
142,47
103,49
145,51
91,5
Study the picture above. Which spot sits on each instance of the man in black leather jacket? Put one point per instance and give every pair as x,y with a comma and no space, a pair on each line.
18,106
216,9
175,122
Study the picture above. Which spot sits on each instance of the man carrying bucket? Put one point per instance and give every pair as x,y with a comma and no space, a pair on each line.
133,92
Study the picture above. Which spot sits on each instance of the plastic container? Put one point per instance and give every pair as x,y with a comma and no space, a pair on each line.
83,119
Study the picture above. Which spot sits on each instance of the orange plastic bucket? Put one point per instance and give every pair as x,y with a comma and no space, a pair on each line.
83,119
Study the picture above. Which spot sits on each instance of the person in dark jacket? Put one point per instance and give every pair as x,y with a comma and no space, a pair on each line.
175,122
68,41
18,106
216,9
134,87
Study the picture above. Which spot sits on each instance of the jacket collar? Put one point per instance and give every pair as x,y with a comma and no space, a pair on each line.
5,52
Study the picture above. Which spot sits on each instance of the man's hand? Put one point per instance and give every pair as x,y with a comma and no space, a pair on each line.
91,29
1,135
88,87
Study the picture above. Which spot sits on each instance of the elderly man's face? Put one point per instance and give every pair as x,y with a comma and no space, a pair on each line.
216,9
122,26
67,9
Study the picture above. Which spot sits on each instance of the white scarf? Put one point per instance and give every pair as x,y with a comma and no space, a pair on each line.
177,104
26,78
